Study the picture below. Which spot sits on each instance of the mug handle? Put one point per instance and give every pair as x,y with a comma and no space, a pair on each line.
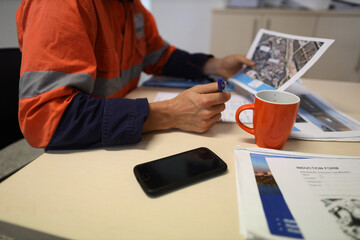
240,109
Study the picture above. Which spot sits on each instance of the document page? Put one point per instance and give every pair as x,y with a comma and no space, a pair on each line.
296,195
318,120
280,60
228,115
323,193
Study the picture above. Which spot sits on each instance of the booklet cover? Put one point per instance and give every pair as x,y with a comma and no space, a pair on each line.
280,60
292,195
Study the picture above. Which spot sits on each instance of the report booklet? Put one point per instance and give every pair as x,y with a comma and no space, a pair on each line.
292,195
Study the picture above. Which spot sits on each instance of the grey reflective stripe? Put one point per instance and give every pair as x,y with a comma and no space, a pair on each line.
154,57
107,87
34,83
139,25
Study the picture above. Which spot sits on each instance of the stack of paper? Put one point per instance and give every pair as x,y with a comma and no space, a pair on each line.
317,119
296,195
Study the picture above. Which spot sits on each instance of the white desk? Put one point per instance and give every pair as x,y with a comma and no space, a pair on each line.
93,194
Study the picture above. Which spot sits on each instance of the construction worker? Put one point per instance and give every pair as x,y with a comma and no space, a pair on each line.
81,57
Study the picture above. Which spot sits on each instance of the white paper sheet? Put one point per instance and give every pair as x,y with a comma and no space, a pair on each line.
280,60
228,115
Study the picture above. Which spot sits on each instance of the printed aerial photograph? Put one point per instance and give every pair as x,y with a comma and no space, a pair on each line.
278,58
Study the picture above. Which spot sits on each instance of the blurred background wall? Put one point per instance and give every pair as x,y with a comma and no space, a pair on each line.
185,23
8,36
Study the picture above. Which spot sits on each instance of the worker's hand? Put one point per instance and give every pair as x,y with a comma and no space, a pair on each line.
199,108
196,109
227,66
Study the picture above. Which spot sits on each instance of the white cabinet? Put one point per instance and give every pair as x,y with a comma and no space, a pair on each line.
342,60
298,24
233,30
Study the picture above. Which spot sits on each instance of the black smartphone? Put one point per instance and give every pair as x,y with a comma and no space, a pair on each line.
172,172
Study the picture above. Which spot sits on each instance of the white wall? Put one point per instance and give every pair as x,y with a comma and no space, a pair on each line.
186,23
8,35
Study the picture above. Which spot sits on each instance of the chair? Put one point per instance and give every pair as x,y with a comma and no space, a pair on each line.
10,61
15,152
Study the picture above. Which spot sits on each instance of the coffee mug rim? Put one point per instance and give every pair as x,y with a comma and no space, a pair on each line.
278,91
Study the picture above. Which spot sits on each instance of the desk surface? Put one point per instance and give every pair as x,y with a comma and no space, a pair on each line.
93,194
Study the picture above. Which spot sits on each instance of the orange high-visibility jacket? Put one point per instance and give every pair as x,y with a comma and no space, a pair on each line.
79,58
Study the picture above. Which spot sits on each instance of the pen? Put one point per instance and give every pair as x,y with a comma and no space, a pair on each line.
221,85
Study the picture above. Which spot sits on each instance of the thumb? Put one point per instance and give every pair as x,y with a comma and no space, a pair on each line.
244,60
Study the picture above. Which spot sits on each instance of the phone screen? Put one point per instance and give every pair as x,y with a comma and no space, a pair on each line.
178,170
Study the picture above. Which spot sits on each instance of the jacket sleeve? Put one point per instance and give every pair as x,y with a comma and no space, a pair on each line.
92,122
186,65
57,74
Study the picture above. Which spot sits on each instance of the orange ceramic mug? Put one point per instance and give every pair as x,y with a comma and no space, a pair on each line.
274,117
